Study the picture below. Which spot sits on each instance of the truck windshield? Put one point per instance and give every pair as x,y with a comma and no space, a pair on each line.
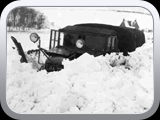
56,39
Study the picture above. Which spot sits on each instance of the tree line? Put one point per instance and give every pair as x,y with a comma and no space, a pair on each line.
24,18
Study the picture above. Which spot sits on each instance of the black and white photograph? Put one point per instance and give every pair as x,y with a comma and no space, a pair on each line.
80,60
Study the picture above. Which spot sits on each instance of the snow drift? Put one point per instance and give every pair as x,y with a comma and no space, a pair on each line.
103,84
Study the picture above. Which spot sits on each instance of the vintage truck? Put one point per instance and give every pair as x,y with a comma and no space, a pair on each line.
72,41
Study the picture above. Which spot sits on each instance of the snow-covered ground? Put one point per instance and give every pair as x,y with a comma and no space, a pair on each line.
103,84
110,84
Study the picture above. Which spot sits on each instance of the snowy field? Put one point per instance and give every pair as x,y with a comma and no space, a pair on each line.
103,84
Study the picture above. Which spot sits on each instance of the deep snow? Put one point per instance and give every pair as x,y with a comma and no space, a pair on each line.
104,84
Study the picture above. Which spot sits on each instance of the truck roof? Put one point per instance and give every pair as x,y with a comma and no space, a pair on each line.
88,29
120,30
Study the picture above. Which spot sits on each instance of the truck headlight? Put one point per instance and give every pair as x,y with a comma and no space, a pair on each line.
34,37
80,43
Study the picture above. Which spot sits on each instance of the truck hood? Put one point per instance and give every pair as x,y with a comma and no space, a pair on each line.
58,51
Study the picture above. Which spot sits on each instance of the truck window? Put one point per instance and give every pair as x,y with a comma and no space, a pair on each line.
111,43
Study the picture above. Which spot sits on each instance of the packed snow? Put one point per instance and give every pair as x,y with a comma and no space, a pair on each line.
107,84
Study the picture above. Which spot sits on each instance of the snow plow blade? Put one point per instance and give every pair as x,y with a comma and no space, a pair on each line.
20,50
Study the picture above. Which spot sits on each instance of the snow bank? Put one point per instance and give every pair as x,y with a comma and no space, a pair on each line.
104,84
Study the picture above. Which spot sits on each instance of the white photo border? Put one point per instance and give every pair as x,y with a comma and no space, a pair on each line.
81,3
